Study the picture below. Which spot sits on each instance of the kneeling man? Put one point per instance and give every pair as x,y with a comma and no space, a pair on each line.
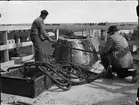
116,52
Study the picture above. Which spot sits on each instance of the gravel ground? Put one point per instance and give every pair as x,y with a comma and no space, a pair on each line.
99,92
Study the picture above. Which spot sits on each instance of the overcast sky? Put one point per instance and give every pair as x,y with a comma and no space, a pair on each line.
69,11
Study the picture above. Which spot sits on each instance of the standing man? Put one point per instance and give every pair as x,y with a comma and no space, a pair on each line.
117,51
38,35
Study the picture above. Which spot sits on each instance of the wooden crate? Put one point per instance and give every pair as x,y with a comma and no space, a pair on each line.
30,83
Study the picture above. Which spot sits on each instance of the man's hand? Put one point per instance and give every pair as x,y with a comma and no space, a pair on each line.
53,41
46,37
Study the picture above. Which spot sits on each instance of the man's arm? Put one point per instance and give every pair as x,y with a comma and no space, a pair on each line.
43,32
108,45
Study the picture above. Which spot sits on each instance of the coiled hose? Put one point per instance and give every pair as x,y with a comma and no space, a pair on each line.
65,74
64,82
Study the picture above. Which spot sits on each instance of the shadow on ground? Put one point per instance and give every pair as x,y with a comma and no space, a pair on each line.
116,86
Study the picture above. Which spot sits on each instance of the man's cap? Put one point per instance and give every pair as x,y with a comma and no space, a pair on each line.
112,28
44,12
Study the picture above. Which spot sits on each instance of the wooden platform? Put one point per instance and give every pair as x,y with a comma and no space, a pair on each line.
14,65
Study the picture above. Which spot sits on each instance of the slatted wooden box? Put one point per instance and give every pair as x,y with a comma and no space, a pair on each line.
29,83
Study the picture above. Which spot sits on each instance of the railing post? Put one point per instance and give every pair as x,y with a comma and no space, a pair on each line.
82,33
57,34
6,52
89,32
106,35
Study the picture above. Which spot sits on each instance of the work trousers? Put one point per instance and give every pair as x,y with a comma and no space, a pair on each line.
121,72
39,56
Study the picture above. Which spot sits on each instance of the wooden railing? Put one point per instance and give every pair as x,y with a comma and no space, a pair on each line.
10,44
64,26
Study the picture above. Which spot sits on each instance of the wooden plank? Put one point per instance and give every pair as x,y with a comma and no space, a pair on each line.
11,27
19,60
6,52
25,58
82,27
5,104
65,27
11,46
106,35
57,34
3,47
6,64
13,62
26,44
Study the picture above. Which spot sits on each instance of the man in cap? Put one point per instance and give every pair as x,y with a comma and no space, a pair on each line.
38,35
116,53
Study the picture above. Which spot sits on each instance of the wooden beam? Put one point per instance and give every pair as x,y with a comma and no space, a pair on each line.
14,45
106,35
65,27
6,64
57,34
11,27
6,52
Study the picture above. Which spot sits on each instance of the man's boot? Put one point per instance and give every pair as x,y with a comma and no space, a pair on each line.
135,77
108,74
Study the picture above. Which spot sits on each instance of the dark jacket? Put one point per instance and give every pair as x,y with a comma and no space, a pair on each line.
37,35
113,46
37,28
